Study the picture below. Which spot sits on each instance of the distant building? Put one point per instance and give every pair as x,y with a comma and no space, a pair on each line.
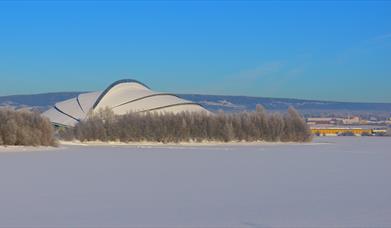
351,120
121,97
335,131
372,118
320,120
341,130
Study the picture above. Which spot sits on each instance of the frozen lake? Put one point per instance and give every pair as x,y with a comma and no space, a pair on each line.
341,181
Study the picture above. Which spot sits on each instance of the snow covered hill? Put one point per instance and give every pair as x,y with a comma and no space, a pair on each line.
217,102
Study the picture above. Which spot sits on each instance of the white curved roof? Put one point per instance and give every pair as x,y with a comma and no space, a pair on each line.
122,97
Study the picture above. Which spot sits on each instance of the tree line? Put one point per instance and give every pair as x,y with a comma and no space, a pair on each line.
25,128
253,126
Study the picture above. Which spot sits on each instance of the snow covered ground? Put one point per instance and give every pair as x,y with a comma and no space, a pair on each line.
341,181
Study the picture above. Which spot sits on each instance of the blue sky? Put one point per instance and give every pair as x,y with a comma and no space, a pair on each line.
313,50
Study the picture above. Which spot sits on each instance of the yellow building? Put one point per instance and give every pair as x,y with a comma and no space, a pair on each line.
341,131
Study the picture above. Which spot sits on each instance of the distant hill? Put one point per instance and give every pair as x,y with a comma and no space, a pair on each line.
249,103
38,101
218,102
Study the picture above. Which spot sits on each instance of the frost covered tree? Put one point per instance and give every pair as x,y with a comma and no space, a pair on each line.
185,127
25,128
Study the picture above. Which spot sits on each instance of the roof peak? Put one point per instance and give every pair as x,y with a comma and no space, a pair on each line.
125,81
115,84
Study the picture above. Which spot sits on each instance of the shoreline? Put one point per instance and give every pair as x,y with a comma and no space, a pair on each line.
145,144
66,144
198,144
62,144
27,149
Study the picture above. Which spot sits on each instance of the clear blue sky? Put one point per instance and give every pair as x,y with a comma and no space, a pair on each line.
314,50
